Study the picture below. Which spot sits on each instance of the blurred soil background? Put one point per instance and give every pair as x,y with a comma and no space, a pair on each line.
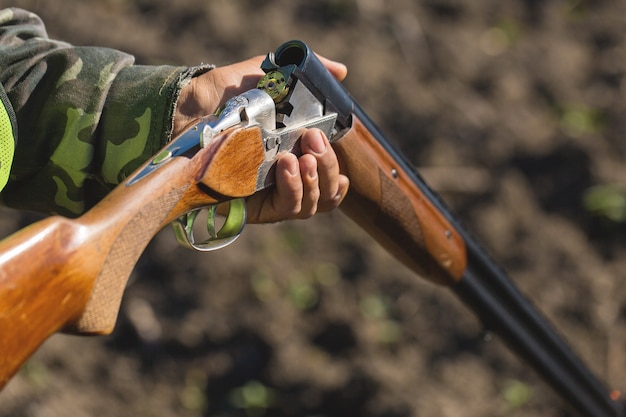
513,111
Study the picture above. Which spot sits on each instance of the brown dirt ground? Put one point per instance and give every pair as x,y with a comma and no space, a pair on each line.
512,110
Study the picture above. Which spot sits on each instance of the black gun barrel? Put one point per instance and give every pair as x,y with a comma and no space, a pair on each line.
493,297
484,287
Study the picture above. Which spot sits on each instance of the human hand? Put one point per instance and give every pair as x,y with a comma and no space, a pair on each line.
304,185
207,92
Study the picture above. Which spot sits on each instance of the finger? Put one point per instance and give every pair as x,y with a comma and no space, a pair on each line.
344,186
286,199
310,186
314,142
333,202
337,69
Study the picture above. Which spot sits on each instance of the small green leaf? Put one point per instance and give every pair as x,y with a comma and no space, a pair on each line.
264,286
303,294
326,274
374,307
517,393
608,201
192,396
389,332
254,397
579,120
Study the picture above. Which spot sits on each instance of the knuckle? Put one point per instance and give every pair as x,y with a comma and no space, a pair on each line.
293,210
308,212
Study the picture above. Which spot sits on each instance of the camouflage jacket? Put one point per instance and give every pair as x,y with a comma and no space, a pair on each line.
86,116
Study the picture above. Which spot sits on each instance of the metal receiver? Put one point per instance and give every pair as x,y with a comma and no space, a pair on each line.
283,108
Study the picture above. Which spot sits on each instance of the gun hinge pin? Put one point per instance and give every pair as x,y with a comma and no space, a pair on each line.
272,142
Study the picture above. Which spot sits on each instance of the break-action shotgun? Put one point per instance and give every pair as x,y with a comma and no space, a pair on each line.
69,275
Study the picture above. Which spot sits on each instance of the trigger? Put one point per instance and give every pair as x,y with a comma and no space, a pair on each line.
230,230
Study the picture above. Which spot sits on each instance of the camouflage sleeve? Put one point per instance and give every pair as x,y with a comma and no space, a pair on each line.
87,116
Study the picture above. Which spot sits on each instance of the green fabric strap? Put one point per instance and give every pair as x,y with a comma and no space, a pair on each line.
7,138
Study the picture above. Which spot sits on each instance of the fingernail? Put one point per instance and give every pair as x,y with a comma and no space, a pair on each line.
318,145
312,173
341,193
344,68
291,166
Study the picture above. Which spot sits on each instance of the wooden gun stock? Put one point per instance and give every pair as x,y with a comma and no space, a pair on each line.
69,275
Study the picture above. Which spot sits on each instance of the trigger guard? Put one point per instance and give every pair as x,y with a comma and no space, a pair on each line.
227,234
